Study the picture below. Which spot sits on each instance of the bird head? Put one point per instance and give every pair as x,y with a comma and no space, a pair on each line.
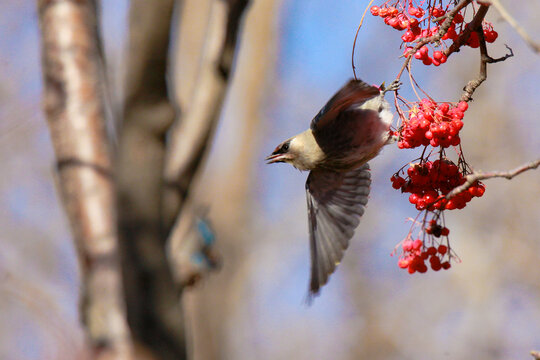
284,152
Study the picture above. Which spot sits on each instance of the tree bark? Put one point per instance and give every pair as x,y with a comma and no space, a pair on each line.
74,108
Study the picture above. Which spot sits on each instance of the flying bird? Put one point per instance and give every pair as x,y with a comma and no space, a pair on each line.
349,131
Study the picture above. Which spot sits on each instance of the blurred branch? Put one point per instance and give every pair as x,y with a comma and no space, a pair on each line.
535,354
154,311
191,134
190,137
477,175
519,29
74,109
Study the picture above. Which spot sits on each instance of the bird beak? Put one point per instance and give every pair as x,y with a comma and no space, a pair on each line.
274,158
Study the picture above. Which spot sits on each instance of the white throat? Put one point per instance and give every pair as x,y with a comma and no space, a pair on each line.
307,153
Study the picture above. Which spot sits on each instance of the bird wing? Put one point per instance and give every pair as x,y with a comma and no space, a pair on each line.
336,202
355,92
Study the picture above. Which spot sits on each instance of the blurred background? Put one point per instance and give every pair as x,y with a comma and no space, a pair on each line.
293,55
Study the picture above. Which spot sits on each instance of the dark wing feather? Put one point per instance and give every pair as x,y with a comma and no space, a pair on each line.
336,202
355,92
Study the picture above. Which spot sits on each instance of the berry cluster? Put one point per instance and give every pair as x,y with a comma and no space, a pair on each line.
415,255
403,16
429,183
431,31
431,123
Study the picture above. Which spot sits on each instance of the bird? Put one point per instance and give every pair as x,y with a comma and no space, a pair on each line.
346,133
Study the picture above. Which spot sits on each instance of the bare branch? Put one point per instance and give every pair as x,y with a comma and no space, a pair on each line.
477,175
485,59
519,29
74,109
191,134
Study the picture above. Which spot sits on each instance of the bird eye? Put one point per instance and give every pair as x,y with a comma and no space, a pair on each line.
285,147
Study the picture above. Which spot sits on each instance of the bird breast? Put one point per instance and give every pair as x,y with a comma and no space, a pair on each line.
357,137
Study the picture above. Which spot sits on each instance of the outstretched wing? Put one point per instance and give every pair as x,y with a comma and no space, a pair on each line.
336,202
355,92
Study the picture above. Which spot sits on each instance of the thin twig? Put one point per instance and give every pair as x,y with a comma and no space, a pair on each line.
191,134
477,175
356,36
519,29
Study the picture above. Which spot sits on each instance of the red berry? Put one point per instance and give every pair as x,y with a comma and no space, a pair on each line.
408,36
407,245
446,265
429,198
437,12
421,204
463,106
450,205
442,249
413,24
458,124
374,10
473,40
417,244
406,52
424,124
445,231
443,59
403,263
490,35
444,107
403,24
458,114
480,190
393,22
